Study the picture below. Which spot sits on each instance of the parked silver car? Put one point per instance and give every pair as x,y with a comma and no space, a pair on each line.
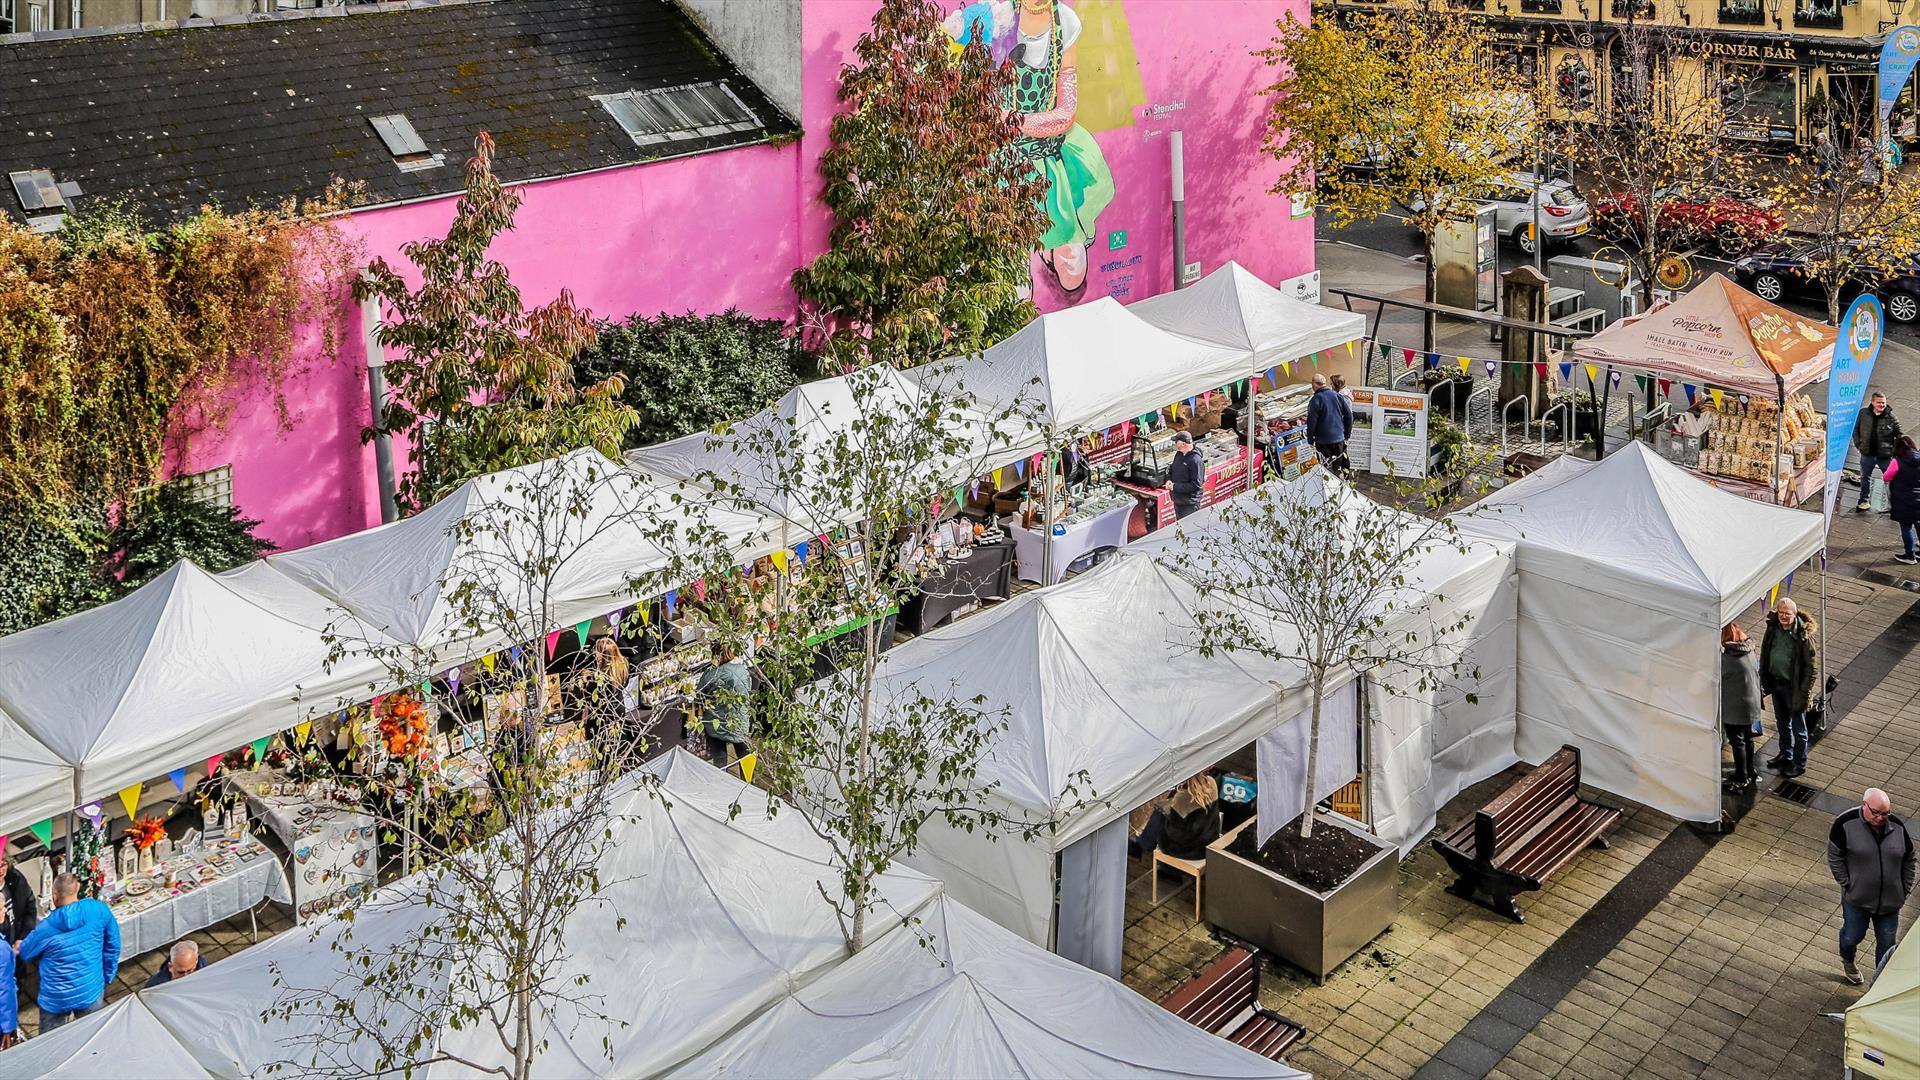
1564,215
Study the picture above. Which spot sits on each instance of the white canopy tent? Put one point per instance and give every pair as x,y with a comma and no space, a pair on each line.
1106,704
1234,309
1627,573
596,520
1422,748
187,666
709,920
34,783
1091,366
1883,1027
963,997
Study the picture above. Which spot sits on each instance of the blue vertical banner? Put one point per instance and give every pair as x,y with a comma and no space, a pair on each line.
1861,330
1898,57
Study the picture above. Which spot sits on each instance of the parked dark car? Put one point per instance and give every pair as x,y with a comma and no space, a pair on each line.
1774,275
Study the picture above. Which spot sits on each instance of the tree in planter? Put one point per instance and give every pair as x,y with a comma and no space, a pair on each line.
483,383
869,769
935,213
1312,574
1405,108
688,373
485,975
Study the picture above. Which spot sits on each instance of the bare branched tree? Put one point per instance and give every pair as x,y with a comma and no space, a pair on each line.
1854,219
511,811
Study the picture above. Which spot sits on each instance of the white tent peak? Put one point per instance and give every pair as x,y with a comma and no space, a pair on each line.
1233,308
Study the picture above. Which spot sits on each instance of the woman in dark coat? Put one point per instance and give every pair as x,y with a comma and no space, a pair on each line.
1739,704
1903,494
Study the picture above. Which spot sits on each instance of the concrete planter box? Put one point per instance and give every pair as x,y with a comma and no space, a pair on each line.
1315,932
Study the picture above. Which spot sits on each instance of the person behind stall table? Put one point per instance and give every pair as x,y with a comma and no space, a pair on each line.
19,910
1786,676
1074,465
1876,435
723,692
78,949
1190,819
1739,704
1187,476
1329,423
1903,495
182,960
600,693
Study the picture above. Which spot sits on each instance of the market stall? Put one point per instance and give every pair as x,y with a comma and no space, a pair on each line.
1628,570
334,846
1743,365
1097,524
1234,309
714,916
1421,747
962,572
1228,473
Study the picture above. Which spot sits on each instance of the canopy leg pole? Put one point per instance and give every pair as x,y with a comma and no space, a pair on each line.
1253,443
1779,415
1820,658
1600,421
1046,520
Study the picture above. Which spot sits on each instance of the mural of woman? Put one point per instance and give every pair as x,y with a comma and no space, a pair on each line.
1037,37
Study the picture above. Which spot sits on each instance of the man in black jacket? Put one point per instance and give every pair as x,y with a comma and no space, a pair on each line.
19,911
1329,423
1187,476
1871,855
1787,662
1875,436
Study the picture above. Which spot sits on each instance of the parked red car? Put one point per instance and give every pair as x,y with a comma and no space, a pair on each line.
1732,222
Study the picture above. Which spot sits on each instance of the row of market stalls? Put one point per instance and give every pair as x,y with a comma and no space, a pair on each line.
713,951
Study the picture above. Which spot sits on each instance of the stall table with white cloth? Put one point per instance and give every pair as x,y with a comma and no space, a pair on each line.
237,875
334,848
1106,529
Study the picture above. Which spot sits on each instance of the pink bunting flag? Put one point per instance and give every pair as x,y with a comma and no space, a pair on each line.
213,765
553,642
1407,354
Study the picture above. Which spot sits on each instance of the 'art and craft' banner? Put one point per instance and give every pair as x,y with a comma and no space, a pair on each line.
1898,57
1853,355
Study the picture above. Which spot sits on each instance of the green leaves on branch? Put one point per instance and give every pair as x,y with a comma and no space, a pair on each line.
686,373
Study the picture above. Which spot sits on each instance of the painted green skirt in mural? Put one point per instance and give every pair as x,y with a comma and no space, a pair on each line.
1078,188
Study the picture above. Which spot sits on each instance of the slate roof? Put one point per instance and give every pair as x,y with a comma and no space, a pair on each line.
255,110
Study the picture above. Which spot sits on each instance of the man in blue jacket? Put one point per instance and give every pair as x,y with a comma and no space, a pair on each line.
1329,422
78,948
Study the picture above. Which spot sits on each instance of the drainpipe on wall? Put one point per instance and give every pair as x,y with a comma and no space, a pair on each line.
1179,210
377,398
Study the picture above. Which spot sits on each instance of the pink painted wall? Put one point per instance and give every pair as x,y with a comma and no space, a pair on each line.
727,229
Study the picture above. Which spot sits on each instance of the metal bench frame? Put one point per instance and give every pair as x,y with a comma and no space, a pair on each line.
1528,833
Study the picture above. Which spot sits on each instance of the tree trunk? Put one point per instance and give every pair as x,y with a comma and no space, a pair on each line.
1430,321
861,835
1313,753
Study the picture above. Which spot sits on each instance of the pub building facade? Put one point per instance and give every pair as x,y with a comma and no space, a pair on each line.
1793,61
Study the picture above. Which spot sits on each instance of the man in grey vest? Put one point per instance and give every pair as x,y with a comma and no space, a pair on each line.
1871,856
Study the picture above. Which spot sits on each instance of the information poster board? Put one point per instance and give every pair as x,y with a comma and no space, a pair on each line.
1399,434
1360,442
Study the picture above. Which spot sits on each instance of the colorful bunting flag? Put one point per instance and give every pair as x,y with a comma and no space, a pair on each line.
178,776
1349,349
1407,354
130,798
1613,376
260,749
1316,359
1465,364
1492,369
426,689
646,614
302,732
1666,387
1773,596
1691,391
580,630
553,643
996,479
673,601
803,547
488,661
513,656
780,560
453,679
213,765
1593,374
1287,366
1540,370
746,767
1719,398
1566,372
1270,376
700,590
43,832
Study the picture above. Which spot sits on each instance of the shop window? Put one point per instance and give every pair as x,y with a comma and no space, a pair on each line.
1540,7
213,487
1523,62
1823,14
1635,9
1742,12
1760,101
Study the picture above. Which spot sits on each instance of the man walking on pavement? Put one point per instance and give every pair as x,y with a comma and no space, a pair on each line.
1876,436
1786,677
1871,856
1329,422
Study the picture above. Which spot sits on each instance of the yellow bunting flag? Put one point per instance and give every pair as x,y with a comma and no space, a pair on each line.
1593,373
130,798
1287,366
1350,353
996,479
780,560
1773,596
488,661
1465,364
746,767
303,731
646,614
1717,397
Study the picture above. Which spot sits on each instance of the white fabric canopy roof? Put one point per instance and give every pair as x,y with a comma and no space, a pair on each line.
1234,309
1719,334
1628,570
1885,1022
1106,705
1091,366
187,666
1425,746
723,923
963,997
595,518
34,783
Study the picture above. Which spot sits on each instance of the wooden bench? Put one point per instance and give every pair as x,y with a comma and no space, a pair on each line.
1526,835
1225,1000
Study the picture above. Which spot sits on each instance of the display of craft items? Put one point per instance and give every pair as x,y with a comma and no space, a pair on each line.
147,832
404,724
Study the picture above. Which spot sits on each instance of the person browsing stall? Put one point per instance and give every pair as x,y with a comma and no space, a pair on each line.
19,911
1787,663
1329,423
1187,476
723,692
78,949
182,960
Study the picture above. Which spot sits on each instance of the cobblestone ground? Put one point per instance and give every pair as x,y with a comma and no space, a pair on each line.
1725,973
